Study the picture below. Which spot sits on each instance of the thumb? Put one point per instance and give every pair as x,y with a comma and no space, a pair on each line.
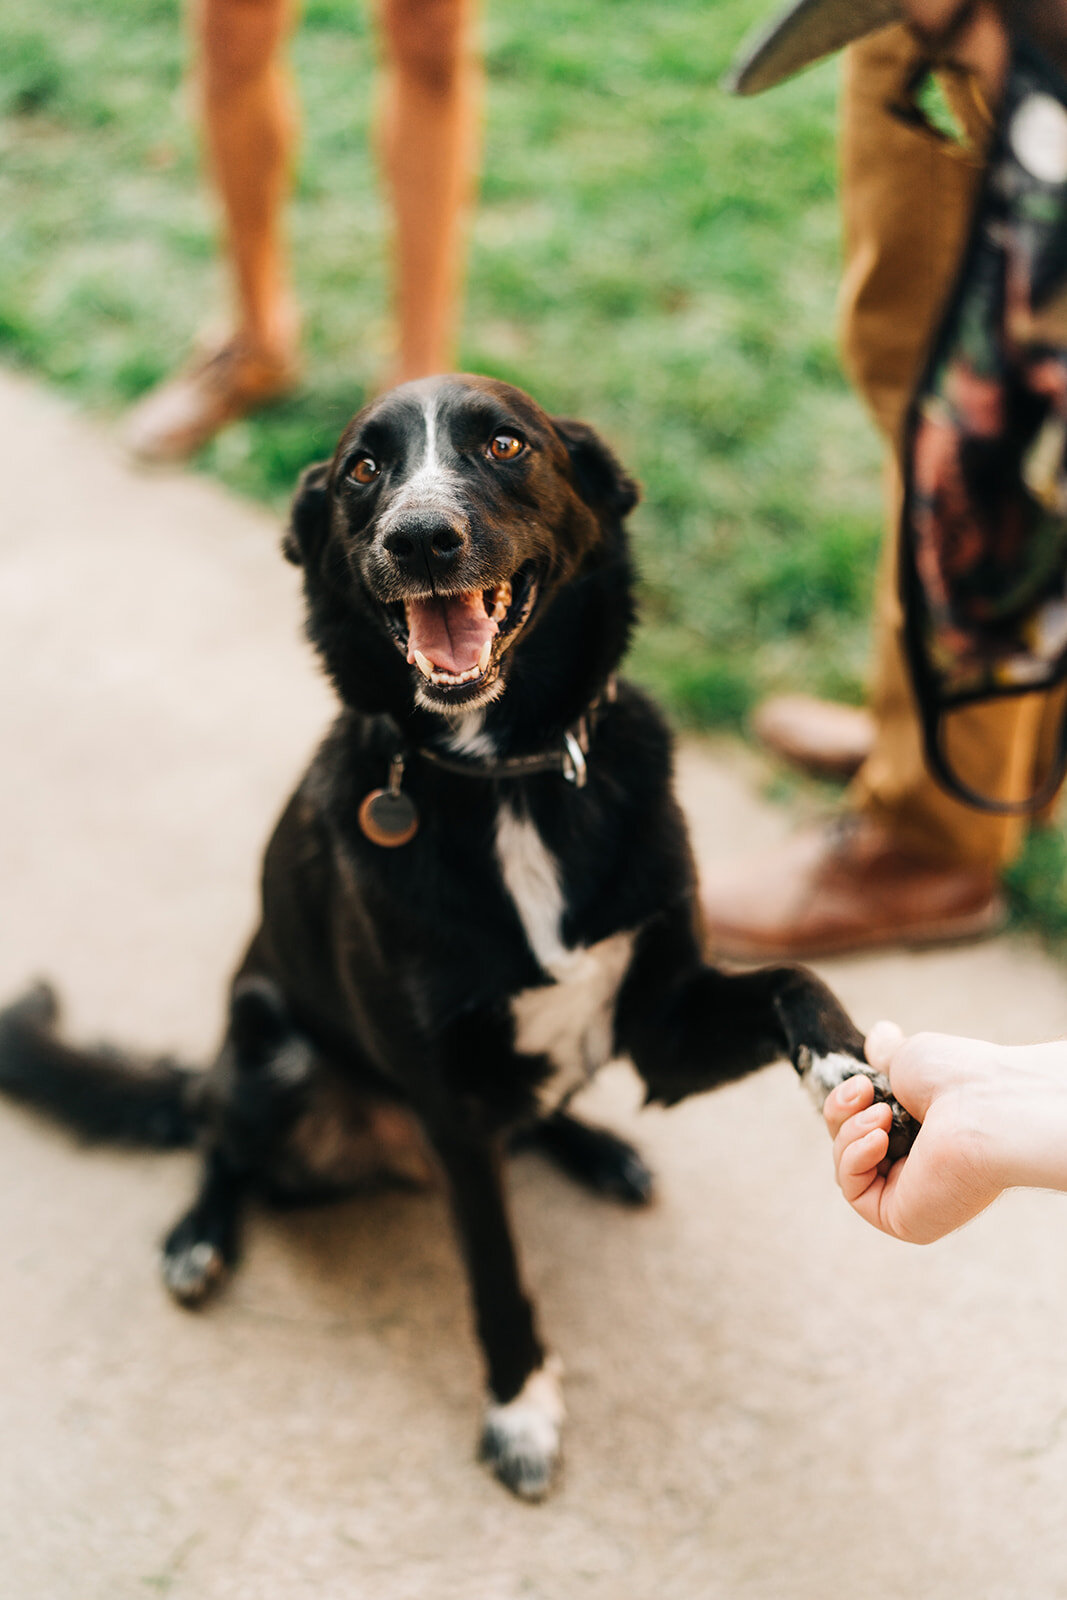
882,1043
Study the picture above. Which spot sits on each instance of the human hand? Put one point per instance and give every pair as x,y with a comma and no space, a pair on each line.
992,1117
972,34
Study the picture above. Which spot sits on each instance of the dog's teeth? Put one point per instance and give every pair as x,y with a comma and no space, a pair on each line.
502,600
436,675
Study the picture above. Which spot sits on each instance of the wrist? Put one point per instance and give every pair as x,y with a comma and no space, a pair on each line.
1023,1119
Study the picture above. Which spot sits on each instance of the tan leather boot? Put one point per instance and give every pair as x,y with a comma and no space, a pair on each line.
843,886
819,736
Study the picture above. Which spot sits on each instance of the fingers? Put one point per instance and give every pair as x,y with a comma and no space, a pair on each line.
860,1157
855,1094
861,1136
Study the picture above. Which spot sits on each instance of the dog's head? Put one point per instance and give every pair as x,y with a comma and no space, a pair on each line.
451,516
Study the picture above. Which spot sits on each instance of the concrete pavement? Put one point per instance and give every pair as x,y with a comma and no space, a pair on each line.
768,1401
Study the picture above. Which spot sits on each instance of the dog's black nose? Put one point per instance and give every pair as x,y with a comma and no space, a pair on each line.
421,544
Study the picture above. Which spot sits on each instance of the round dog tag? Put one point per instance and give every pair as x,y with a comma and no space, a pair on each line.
388,818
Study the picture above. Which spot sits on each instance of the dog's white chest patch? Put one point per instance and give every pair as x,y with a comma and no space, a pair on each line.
571,1020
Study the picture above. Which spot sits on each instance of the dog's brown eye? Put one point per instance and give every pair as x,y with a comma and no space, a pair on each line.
505,446
364,469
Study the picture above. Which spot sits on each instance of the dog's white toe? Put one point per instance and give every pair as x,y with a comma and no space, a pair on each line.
825,1073
521,1440
820,1074
191,1272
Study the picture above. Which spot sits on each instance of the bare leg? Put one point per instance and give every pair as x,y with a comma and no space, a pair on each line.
429,133
250,123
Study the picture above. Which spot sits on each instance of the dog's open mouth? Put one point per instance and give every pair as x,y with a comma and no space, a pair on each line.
456,641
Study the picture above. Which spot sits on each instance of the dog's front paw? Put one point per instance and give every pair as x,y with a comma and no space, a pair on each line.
521,1440
820,1074
192,1264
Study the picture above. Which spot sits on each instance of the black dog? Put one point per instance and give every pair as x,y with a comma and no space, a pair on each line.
481,891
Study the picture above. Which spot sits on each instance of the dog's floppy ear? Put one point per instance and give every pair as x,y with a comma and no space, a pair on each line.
602,483
309,516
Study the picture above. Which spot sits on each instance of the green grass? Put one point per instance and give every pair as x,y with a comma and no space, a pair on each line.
646,253
1036,886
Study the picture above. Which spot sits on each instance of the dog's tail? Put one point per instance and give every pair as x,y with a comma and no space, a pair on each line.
97,1093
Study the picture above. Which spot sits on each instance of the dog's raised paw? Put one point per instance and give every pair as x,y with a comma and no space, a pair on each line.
521,1440
821,1074
191,1269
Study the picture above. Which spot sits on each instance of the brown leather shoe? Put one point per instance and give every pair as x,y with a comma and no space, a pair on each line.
843,886
218,386
820,736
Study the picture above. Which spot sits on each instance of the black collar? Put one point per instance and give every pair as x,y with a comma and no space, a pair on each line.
389,817
569,757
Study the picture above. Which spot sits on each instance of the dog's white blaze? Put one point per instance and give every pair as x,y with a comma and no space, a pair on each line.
429,467
569,1021
530,1424
430,413
432,484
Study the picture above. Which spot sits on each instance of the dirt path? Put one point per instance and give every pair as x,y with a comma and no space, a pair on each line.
767,1400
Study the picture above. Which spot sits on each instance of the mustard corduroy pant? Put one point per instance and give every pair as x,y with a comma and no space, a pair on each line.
908,203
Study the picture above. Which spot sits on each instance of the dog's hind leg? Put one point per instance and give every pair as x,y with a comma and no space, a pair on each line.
593,1156
201,1248
250,1099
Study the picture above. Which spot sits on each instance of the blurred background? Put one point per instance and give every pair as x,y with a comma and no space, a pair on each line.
645,254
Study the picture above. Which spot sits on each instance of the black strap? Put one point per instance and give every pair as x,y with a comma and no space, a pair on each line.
934,708
933,717
568,758
561,760
933,700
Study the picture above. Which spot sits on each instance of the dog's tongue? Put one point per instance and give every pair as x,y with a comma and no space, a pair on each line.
450,632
